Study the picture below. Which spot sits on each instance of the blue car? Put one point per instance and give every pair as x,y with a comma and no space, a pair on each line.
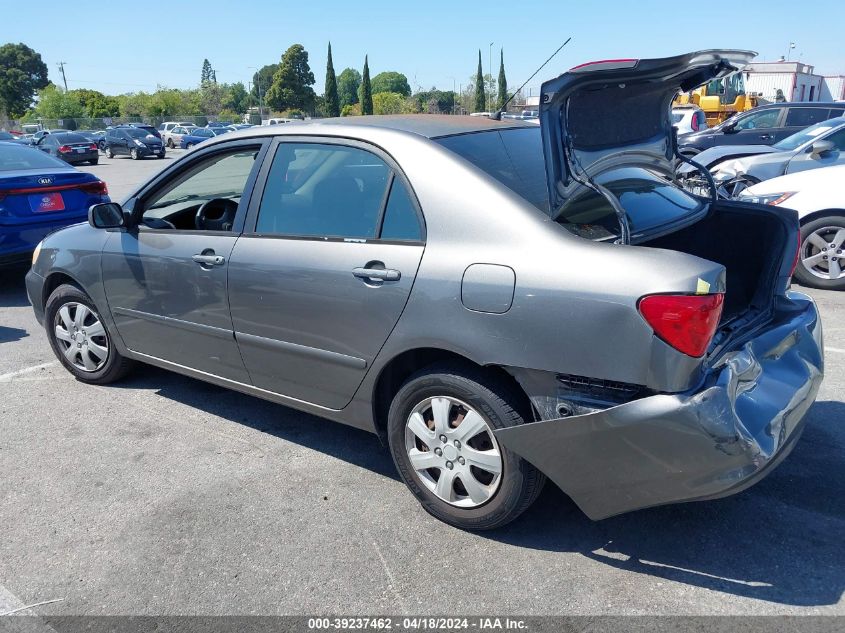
38,194
199,135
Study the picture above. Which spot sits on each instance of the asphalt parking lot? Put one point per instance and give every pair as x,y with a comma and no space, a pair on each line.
163,494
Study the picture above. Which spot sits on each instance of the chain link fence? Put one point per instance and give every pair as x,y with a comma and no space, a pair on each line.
84,123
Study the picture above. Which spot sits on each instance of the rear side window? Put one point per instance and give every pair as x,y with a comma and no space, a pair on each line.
400,216
802,117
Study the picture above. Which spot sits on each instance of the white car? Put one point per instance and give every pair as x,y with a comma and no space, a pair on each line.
166,128
173,136
819,198
688,119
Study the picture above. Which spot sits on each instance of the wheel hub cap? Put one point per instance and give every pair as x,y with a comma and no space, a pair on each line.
81,337
816,248
453,452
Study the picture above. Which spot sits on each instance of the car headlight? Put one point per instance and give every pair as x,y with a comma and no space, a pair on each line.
773,199
36,253
138,143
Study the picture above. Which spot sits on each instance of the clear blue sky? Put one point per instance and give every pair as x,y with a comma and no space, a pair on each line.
433,43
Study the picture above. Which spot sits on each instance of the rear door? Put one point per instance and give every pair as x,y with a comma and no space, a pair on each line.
321,276
799,117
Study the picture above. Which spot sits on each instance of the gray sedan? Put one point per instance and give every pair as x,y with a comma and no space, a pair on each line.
500,302
736,167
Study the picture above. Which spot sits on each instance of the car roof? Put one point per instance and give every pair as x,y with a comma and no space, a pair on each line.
798,104
427,125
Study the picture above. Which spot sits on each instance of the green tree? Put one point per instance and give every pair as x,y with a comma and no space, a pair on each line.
22,73
262,80
207,72
55,103
291,87
366,90
348,83
211,97
235,97
391,81
502,82
480,96
388,103
95,104
332,102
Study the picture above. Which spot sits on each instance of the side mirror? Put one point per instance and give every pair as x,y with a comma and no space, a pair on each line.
820,148
106,215
729,127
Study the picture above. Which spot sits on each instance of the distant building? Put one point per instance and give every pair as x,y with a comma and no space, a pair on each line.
791,81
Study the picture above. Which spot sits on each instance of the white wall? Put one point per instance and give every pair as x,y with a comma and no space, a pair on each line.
767,84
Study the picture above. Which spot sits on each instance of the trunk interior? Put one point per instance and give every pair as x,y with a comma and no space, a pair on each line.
749,242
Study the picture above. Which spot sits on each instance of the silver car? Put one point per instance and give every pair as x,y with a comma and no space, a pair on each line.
500,302
734,168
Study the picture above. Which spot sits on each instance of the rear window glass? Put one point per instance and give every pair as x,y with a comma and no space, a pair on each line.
513,157
649,201
70,138
677,118
14,157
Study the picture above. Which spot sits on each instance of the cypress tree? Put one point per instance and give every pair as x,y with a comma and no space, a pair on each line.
206,71
480,96
366,90
331,99
503,81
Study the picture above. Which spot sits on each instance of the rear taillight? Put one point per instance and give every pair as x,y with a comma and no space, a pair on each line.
686,322
96,188
92,146
64,149
694,123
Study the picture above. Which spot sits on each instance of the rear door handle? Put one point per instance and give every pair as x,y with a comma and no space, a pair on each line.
209,260
765,137
383,274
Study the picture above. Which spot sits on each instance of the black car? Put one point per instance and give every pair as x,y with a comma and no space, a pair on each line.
134,142
141,126
764,125
70,147
98,137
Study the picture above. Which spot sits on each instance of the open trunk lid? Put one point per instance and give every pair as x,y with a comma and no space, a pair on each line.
616,113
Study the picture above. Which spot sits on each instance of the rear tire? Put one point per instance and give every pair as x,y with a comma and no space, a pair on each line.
813,270
170,143
79,338
94,161
189,146
109,153
457,395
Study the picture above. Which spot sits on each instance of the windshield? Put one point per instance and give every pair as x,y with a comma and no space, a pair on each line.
808,134
137,133
13,157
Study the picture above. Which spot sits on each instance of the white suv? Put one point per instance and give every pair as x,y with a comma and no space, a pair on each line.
688,119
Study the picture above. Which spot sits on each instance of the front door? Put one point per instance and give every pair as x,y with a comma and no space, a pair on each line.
318,286
166,280
808,160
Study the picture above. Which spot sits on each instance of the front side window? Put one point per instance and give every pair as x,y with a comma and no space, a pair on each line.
323,190
221,177
760,120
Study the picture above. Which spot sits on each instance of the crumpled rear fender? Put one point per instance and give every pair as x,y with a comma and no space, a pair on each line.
710,442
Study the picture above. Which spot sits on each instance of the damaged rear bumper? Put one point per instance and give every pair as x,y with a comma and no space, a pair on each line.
708,443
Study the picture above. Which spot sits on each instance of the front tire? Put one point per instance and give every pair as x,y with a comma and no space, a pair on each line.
468,479
822,256
79,337
189,146
170,143
109,153
133,153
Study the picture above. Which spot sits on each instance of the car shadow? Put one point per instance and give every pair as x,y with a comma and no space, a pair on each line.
779,541
10,334
13,286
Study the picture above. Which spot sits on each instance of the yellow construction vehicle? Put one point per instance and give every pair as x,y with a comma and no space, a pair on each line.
720,99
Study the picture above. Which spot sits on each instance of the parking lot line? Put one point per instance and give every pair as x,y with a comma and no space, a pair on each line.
27,370
836,350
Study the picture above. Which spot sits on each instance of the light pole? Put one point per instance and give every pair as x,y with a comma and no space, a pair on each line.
490,71
258,85
453,93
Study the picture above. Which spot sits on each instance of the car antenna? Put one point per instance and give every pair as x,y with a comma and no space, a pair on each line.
498,114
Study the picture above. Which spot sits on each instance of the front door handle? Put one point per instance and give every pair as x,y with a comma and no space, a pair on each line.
765,137
382,274
209,260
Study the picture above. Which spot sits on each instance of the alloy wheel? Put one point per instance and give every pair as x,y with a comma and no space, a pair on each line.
453,452
822,252
134,154
81,336
732,188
